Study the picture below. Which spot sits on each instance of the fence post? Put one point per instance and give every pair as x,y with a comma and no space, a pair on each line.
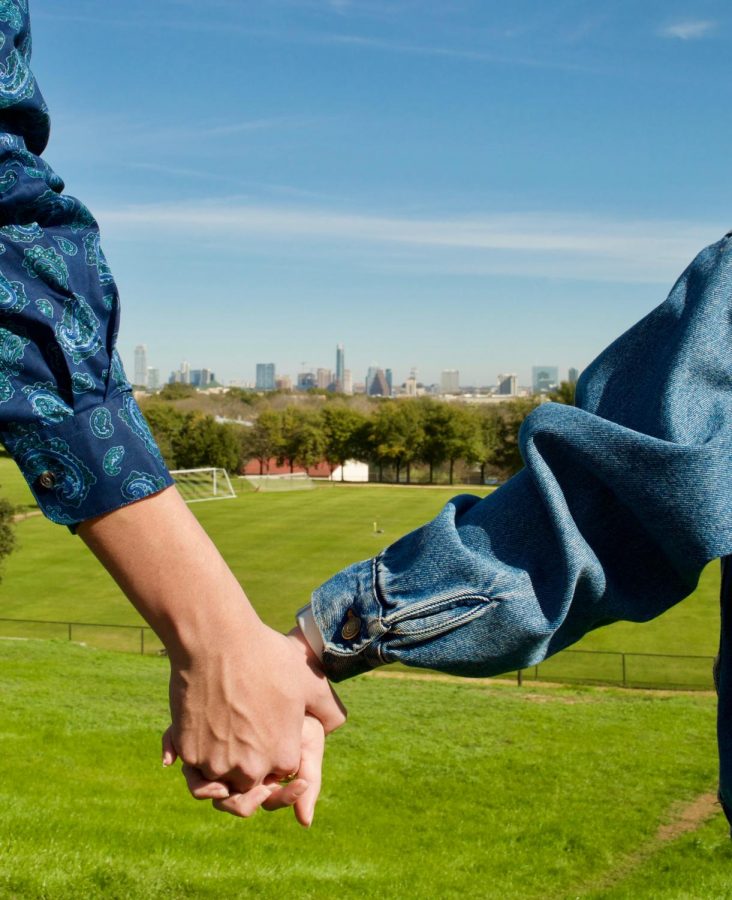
520,677
625,679
69,630
142,642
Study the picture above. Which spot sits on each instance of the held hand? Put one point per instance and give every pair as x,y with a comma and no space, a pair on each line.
237,777
301,793
238,707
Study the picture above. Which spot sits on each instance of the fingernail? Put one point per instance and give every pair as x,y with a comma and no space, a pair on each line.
222,794
167,760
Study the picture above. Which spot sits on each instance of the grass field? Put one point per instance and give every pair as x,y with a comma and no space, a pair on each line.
281,545
433,790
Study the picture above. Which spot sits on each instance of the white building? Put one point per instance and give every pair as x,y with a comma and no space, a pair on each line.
141,365
450,381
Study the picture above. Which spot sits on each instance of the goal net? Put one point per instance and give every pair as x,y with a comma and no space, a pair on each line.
298,481
196,485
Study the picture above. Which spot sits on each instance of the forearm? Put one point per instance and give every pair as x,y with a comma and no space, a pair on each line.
172,573
621,504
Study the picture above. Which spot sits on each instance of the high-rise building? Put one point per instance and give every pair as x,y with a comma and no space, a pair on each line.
376,385
544,378
306,381
185,373
389,375
507,385
340,372
324,379
265,377
450,381
347,381
141,365
153,379
572,376
283,383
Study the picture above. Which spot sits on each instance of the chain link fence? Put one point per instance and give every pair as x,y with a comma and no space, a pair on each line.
600,667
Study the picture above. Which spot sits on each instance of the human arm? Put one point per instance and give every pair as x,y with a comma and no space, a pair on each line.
622,502
238,690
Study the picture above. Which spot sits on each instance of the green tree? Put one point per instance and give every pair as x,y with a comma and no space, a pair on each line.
462,437
204,442
177,391
165,422
565,393
435,423
263,441
309,441
396,433
488,428
344,434
507,457
7,529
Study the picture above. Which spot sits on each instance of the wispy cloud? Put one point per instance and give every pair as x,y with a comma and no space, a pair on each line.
689,29
540,245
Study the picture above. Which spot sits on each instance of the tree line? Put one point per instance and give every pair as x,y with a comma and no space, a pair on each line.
393,436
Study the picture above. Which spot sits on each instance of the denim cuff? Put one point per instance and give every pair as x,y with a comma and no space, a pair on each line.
89,462
348,615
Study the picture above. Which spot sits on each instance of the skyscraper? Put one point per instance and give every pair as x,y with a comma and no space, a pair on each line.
141,365
265,377
347,381
376,385
340,373
389,375
507,385
450,381
153,378
573,375
544,378
324,379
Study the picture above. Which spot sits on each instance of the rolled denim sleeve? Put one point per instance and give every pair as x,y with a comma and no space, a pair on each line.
67,414
622,501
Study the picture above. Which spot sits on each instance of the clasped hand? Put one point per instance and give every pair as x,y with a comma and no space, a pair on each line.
249,719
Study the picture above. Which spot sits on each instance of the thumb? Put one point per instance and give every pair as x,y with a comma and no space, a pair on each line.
326,706
169,752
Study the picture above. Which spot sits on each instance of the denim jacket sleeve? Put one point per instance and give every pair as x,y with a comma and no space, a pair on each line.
67,414
622,501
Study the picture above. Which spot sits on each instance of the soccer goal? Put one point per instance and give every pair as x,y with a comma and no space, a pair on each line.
197,485
298,481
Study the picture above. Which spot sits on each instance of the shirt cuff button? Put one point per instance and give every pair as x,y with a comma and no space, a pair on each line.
47,480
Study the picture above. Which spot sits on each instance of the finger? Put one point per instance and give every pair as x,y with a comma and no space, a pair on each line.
244,805
201,788
285,795
169,753
328,708
311,770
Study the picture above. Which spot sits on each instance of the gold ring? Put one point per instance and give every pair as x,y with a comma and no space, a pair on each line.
288,778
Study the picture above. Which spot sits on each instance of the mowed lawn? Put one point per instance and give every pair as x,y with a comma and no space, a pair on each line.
432,790
281,546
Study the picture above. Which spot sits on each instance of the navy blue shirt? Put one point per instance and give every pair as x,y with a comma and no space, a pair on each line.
67,414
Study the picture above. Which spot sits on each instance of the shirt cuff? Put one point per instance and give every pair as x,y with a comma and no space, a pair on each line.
91,462
306,621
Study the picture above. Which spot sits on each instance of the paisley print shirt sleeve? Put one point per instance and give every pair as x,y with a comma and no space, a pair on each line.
67,414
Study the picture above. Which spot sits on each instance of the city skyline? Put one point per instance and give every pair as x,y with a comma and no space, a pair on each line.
322,376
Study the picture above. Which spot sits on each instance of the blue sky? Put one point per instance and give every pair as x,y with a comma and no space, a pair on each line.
468,184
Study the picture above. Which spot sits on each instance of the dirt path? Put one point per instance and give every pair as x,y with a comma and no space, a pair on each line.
19,517
529,686
681,820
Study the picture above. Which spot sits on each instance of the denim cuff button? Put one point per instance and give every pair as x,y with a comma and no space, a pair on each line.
352,626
